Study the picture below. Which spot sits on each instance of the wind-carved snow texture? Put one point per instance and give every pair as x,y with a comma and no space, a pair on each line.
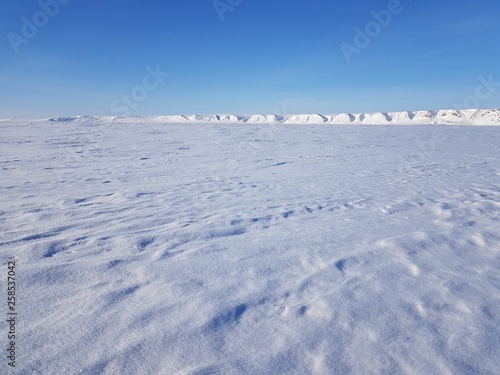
140,252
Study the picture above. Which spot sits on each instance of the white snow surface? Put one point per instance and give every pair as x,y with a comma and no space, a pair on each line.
190,248
442,117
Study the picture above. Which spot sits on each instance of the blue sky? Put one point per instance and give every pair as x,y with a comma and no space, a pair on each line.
255,56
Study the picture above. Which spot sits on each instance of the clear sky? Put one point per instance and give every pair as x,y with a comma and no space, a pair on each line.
252,56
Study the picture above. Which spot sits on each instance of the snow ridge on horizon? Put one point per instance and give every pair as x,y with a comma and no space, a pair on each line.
438,117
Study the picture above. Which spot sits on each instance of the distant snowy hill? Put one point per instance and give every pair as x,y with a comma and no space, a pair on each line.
444,117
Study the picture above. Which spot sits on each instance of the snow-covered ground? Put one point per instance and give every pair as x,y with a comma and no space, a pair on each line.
151,248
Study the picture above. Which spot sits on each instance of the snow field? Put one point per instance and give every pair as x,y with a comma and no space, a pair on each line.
150,248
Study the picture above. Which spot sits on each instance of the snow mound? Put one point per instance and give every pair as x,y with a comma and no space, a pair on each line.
224,118
305,119
195,118
86,119
63,119
343,118
488,117
174,119
376,118
404,117
261,119
422,117
449,117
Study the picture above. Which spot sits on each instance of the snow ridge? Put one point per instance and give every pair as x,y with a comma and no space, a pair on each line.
441,117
